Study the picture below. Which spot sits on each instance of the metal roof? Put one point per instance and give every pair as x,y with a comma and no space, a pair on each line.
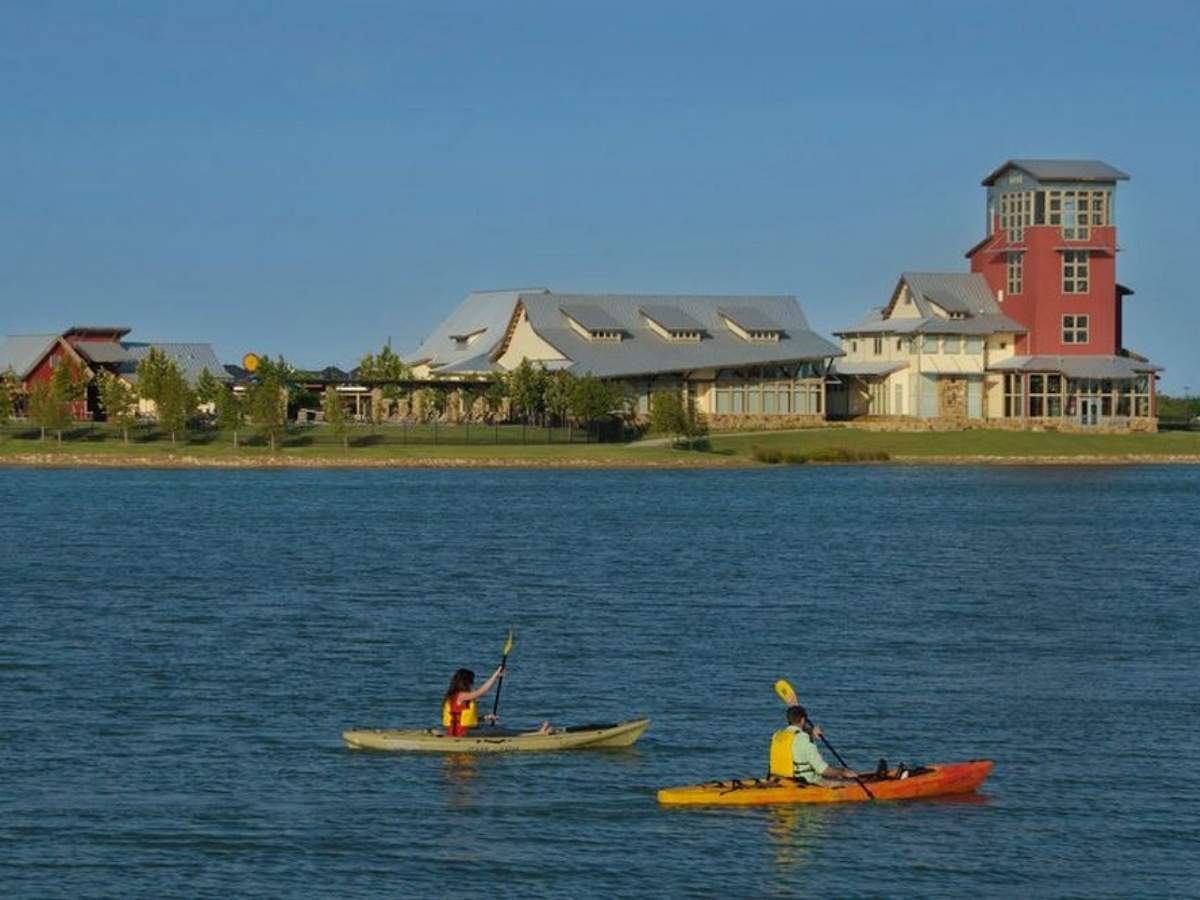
670,318
883,367
592,317
489,311
192,359
750,318
1078,366
21,352
953,291
1060,170
102,351
643,353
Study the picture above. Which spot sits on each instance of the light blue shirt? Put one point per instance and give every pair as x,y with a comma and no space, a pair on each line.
806,758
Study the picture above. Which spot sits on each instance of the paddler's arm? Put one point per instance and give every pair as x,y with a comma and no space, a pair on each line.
468,696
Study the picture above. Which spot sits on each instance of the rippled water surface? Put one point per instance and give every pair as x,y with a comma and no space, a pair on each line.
179,652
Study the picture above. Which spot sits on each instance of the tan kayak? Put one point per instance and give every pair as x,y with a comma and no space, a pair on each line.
578,737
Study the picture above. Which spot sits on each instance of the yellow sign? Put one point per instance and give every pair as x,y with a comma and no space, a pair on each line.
250,362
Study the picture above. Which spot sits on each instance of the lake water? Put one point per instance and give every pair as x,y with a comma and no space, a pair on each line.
180,650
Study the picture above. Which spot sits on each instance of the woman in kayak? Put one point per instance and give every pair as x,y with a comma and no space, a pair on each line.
458,705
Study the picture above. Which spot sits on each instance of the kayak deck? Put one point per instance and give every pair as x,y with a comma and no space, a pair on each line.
929,781
485,740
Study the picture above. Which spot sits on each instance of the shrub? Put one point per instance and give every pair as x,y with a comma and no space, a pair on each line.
768,455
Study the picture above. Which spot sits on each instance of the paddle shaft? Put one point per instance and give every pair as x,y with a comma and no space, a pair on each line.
500,684
838,756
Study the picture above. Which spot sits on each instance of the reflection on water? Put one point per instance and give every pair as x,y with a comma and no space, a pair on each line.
795,832
459,771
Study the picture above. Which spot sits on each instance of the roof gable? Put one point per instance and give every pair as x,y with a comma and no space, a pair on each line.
1059,170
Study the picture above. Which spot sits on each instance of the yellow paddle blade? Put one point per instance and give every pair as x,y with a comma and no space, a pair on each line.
786,693
509,643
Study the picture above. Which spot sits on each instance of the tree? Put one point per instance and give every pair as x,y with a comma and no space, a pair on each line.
670,417
527,388
8,396
268,403
150,373
66,386
335,415
119,400
230,414
390,371
592,399
41,407
559,386
207,387
176,402
494,396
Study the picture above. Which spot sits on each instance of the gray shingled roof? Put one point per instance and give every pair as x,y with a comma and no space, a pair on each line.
1060,170
644,352
488,310
1077,366
21,352
192,359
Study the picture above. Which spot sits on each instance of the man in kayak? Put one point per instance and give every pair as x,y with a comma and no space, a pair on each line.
794,755
458,704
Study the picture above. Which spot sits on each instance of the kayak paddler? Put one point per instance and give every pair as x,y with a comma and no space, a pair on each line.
458,704
794,755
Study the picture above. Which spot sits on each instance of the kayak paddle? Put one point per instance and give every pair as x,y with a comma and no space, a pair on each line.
508,645
788,695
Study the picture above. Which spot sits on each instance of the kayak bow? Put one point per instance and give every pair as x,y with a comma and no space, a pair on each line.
622,734
928,781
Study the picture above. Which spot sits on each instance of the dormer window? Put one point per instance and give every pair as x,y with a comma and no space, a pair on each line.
672,324
466,339
751,325
593,323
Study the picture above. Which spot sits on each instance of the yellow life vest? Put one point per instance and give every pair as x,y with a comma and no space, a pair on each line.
467,718
783,763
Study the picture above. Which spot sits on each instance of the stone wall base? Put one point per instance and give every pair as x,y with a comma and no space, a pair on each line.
764,423
906,423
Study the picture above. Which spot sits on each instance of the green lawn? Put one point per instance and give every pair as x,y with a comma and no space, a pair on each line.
98,444
967,443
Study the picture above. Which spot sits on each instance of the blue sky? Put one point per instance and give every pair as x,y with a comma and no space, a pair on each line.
313,178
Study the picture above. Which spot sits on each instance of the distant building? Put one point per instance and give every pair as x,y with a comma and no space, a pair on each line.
1031,337
93,349
738,359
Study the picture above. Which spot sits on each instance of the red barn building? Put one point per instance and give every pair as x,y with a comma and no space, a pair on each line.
1050,257
1030,337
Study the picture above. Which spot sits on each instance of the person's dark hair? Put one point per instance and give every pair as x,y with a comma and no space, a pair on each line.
796,714
462,680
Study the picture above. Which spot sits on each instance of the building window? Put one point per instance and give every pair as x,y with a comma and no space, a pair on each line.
878,346
854,346
950,343
1016,273
973,345
1075,329
899,343
1016,212
1045,396
1075,271
930,343
1014,403
1077,212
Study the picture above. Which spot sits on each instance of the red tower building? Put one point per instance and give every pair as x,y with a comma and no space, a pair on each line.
1050,259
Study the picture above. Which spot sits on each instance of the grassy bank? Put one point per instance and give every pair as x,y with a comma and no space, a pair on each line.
981,444
312,447
309,447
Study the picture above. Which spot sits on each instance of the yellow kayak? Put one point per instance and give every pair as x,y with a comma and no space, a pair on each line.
485,740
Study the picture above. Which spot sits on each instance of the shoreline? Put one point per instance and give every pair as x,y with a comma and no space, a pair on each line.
697,461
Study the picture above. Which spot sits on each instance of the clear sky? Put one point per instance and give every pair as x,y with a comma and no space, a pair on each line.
313,178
